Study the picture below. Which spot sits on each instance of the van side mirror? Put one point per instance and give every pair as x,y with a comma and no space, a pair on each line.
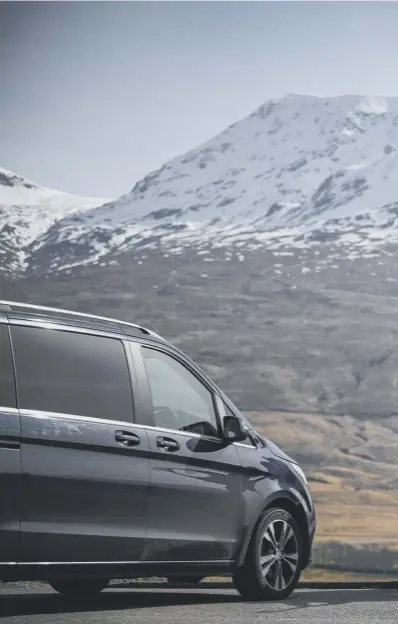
233,429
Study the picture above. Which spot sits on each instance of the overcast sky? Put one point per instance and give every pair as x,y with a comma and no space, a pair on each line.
95,95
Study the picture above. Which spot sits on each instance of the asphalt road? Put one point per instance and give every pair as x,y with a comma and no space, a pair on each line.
34,604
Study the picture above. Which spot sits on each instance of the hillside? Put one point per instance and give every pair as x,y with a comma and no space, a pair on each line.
275,337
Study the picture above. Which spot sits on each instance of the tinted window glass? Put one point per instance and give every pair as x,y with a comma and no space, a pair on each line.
71,373
180,400
7,383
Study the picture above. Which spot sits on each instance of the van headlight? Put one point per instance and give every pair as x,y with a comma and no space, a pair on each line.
299,472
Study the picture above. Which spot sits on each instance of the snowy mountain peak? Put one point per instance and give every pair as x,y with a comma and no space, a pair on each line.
27,211
13,180
298,171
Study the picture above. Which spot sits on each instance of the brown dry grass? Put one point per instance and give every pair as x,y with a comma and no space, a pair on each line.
345,515
356,498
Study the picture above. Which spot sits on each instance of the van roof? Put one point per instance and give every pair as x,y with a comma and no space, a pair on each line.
76,318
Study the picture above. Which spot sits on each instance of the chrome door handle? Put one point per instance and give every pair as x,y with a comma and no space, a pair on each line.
127,438
167,444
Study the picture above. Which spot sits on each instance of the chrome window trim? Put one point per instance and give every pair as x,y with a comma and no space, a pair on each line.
9,410
188,434
103,421
117,423
76,417
246,446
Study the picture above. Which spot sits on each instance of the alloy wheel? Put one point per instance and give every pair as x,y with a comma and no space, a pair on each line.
279,555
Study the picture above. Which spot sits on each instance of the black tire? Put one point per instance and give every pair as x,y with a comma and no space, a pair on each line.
271,570
78,587
193,580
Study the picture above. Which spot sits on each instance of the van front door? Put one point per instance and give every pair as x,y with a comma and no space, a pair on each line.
196,506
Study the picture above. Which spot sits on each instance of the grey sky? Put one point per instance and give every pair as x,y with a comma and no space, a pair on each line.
95,95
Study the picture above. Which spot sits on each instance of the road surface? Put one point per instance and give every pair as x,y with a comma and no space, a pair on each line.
35,604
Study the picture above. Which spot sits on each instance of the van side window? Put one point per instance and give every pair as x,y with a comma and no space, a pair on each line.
180,400
7,382
72,373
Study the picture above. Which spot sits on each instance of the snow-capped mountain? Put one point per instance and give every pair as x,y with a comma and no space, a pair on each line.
299,171
27,211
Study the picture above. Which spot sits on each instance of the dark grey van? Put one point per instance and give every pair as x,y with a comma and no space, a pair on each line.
120,458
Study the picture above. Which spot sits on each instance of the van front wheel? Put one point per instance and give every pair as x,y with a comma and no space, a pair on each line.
272,567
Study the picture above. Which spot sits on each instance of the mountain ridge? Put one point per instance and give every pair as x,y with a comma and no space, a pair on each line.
294,167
